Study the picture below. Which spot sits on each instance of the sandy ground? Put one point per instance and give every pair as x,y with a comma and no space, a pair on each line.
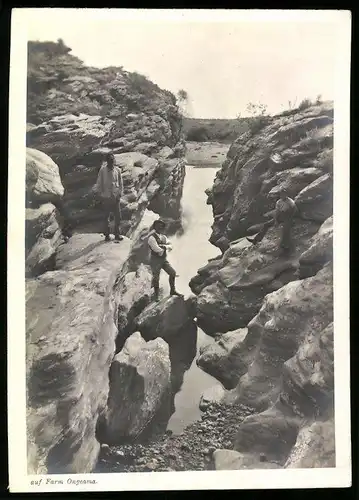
206,154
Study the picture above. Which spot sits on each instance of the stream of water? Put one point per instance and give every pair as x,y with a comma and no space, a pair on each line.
191,250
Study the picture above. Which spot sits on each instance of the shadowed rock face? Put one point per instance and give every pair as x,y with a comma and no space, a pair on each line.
231,292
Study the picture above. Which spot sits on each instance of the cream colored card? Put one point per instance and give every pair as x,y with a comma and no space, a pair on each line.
223,59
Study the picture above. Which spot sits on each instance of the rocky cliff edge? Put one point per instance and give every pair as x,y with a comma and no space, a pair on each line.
272,315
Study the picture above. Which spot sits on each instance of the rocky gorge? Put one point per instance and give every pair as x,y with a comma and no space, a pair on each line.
82,297
103,361
271,316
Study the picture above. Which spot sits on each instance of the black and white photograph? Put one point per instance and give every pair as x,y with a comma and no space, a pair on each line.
179,244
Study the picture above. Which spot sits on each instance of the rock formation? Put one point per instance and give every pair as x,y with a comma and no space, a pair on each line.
231,289
139,380
112,110
225,359
165,319
272,314
44,192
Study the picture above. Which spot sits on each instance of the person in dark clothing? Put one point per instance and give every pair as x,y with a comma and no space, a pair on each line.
285,211
109,187
159,245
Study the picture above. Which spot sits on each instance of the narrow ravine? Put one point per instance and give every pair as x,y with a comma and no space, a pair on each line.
190,431
186,259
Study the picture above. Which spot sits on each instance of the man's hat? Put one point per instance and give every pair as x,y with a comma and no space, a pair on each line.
109,155
159,222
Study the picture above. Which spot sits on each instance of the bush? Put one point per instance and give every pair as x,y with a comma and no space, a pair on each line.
306,103
197,134
141,83
256,123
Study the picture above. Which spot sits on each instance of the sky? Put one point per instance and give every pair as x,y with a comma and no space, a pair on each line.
223,65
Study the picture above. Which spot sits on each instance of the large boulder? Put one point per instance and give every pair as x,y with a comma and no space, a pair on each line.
226,359
44,192
271,433
139,380
39,221
43,237
165,319
43,183
71,330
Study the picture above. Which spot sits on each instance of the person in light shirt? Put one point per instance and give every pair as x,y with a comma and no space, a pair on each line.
109,187
285,210
159,245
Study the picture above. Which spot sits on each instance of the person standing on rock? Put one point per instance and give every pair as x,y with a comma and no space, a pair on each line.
159,245
109,187
285,210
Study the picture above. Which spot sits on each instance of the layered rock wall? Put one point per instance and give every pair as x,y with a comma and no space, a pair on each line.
77,114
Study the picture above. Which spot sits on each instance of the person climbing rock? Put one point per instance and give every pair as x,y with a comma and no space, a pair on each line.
159,245
285,210
109,187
